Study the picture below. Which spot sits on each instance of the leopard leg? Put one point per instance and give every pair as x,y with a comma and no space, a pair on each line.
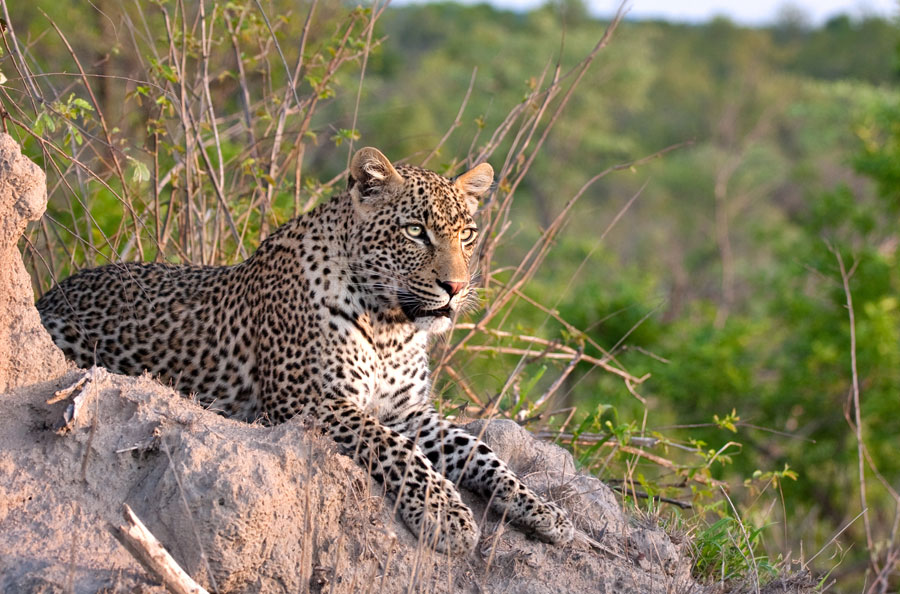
468,461
429,504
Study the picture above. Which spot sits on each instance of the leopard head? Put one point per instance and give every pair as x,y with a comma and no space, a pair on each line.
415,235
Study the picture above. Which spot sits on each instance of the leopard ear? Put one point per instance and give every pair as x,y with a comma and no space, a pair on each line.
474,183
371,172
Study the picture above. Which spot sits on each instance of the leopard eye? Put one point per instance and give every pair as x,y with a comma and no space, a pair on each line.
468,235
414,231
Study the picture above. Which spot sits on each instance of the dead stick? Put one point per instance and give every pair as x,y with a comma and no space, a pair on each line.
150,553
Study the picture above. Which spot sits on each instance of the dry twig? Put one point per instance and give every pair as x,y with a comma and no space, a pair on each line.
153,556
79,392
854,394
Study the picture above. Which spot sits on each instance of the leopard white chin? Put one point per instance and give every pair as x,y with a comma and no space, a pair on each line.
433,324
416,312
433,321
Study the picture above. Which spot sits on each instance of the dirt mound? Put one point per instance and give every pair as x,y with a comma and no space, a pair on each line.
27,354
245,508
253,509
249,508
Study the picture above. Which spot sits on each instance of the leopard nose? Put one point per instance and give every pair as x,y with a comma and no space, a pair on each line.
451,287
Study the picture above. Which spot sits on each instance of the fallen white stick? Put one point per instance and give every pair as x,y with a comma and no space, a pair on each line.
81,389
150,553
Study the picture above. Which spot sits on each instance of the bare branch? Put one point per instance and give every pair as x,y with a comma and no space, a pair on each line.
153,556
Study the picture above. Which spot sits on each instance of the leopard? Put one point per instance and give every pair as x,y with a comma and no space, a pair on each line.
332,318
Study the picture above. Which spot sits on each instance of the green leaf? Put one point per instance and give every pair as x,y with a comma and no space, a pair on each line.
140,172
728,422
525,389
81,104
43,123
345,134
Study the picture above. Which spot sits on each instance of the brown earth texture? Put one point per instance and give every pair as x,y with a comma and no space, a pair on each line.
246,508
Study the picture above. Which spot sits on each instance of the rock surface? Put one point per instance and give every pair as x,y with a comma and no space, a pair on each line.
27,354
245,508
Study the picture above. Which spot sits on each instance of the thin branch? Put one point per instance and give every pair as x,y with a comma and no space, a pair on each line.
558,356
860,444
531,261
463,385
642,495
370,28
456,122
559,380
153,556
660,461
604,438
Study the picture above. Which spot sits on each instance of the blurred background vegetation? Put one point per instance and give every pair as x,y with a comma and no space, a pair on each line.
719,279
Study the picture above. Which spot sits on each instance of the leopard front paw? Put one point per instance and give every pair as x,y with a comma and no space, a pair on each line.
551,524
458,532
443,522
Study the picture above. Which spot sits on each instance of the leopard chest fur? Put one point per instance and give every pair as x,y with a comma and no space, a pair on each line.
379,364
338,341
